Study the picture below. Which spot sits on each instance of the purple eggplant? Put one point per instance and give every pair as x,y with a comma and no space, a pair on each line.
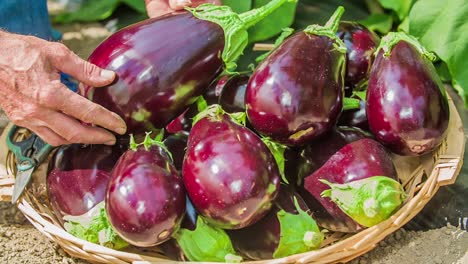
361,180
232,97
303,162
229,173
78,176
145,200
407,107
296,94
286,230
163,64
361,44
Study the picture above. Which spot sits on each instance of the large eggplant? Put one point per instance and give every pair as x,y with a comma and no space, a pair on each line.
145,199
296,94
361,44
286,230
358,185
407,107
78,176
229,173
163,64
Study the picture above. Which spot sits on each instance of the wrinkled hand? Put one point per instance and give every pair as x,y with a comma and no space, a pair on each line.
32,95
157,8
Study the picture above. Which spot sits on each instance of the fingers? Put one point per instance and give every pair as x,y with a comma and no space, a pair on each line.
73,131
58,97
68,62
49,136
179,4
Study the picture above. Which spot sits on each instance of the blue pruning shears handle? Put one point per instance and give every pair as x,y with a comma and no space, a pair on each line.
30,152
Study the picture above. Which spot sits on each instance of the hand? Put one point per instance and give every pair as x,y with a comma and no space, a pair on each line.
157,8
32,95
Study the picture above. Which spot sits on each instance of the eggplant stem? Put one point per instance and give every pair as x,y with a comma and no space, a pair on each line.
334,20
392,38
252,17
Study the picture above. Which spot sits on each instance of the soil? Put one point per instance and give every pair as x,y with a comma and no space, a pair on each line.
21,243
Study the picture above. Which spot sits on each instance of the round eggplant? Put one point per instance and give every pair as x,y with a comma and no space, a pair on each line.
407,107
145,200
353,165
229,173
296,94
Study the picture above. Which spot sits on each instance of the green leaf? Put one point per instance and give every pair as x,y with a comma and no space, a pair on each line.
90,11
442,26
235,26
206,243
378,22
238,6
277,150
283,17
95,228
368,201
286,33
401,7
137,5
299,233
443,71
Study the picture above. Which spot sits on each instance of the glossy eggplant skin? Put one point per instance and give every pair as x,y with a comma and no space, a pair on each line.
355,161
232,97
162,64
78,175
145,200
229,174
295,95
407,107
303,162
260,241
361,44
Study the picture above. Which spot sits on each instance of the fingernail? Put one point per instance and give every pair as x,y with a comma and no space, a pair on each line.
106,74
121,130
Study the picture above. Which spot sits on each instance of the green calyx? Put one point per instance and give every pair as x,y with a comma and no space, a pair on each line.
299,233
392,38
368,201
278,153
234,25
148,142
215,112
330,29
94,227
206,243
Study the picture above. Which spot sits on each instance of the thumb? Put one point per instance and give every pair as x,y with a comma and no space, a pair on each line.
68,62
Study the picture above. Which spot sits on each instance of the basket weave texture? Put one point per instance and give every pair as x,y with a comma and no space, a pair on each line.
420,176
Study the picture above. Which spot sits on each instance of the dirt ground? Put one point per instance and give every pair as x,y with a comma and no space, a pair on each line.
21,243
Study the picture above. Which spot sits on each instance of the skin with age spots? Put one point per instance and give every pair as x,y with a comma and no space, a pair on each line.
33,97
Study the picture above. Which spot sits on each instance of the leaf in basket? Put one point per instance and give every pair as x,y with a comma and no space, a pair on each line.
368,201
299,233
94,227
206,243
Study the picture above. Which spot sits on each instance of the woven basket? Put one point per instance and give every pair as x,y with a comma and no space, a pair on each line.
421,178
